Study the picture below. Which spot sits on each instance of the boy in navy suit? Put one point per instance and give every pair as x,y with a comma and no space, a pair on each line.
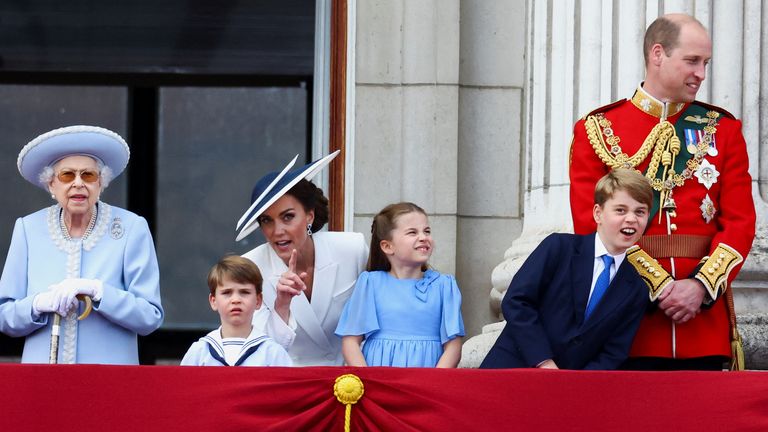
576,302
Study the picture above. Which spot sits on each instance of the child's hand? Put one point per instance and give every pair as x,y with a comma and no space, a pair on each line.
289,285
547,364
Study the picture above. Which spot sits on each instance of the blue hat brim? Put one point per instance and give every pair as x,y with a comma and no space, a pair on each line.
272,187
50,147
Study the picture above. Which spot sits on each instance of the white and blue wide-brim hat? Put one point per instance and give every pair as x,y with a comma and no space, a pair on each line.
273,186
50,147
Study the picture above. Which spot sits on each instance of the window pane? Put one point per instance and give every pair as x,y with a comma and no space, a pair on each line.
213,145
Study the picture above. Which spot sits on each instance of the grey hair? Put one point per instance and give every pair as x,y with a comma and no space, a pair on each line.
105,175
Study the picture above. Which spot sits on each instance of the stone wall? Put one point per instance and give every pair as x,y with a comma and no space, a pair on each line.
438,121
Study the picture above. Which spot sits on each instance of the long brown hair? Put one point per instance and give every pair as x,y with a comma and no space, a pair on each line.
381,229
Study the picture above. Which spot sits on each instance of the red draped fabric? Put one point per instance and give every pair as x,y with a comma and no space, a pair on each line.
170,398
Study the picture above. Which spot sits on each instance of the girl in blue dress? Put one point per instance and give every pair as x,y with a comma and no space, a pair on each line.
402,313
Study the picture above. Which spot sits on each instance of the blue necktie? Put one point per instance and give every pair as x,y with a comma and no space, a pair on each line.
600,286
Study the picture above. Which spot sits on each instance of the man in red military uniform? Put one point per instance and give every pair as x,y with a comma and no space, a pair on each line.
703,221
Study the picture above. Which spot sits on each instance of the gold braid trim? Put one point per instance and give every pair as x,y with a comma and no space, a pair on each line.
664,143
650,271
714,273
597,125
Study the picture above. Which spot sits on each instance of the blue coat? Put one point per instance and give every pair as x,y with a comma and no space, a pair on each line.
544,308
119,252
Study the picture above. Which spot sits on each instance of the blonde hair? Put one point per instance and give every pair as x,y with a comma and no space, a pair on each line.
628,180
381,229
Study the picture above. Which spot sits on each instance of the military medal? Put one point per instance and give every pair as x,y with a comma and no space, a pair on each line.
691,140
707,174
694,136
712,150
708,209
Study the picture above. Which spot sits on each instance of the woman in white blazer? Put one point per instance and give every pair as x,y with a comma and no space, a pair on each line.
308,275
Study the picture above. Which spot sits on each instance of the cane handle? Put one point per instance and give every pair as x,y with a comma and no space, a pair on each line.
88,306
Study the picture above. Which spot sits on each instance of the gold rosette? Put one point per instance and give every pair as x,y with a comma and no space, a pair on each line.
348,389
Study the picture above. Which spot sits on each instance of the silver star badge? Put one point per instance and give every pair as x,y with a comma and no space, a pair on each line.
646,104
708,209
707,174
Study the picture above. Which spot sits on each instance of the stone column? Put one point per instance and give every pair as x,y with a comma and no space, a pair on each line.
490,152
406,114
580,55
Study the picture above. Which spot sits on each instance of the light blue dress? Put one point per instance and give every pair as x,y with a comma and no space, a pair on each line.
119,251
405,322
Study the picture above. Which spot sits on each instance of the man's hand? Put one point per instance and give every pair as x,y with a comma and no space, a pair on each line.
289,286
681,300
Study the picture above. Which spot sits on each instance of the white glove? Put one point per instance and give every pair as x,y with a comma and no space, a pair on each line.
44,302
66,292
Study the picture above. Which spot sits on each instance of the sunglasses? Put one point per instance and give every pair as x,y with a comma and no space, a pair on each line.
87,176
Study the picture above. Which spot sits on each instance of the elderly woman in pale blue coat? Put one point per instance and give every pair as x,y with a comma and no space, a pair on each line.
79,246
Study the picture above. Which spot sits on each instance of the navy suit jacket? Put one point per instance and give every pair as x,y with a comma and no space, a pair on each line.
544,308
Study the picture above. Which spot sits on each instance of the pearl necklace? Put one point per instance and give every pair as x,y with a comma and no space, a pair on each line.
88,230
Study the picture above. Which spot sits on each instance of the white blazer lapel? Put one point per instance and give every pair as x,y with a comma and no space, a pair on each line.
324,279
301,309
308,321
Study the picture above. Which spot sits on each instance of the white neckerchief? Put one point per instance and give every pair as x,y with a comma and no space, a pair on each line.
232,347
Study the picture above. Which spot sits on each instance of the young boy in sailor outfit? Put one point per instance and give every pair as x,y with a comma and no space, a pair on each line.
235,293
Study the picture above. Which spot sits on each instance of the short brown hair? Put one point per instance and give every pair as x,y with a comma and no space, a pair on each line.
381,229
665,31
628,180
236,268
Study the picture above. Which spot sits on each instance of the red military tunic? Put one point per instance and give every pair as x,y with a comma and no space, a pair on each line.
732,225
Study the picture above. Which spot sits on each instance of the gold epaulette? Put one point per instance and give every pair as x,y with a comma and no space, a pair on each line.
652,273
714,272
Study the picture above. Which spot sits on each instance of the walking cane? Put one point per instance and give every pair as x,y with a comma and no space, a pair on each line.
56,329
